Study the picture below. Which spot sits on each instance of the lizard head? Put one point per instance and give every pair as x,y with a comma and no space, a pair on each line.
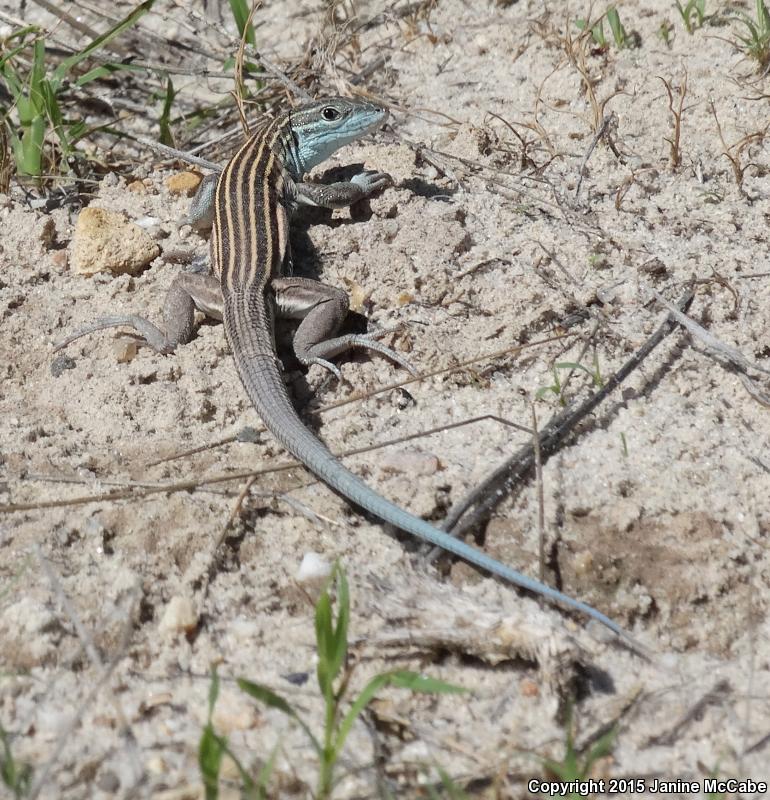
321,127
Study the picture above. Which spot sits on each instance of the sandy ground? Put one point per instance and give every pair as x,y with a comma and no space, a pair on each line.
657,512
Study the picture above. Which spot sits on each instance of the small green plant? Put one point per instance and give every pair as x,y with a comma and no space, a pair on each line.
664,32
714,774
756,43
597,32
693,14
333,682
557,387
36,88
576,765
616,26
15,776
451,789
619,34
241,13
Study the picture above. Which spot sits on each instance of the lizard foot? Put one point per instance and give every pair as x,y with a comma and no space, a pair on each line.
372,181
151,334
321,352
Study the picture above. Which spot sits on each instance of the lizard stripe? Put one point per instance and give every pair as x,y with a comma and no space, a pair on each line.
243,245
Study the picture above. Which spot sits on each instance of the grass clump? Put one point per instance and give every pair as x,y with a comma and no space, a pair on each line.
755,43
693,14
340,711
619,34
577,765
42,137
15,775
558,386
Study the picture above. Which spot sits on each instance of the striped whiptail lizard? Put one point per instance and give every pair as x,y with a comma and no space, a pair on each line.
250,204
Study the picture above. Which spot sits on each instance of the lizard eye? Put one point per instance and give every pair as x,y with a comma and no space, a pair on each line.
330,113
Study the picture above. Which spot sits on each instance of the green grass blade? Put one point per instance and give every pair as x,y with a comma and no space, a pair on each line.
763,16
210,752
29,159
416,682
61,71
249,787
273,700
104,71
240,11
213,691
339,643
454,792
16,776
400,679
53,112
11,53
324,635
616,26
165,114
331,638
263,779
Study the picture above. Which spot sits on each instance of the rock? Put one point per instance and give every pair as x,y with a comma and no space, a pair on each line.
179,616
60,259
137,187
184,183
60,363
105,241
125,350
359,297
47,233
313,570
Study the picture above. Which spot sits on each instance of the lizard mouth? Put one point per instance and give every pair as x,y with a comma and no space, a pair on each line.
371,121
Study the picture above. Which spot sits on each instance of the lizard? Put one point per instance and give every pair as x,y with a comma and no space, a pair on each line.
249,204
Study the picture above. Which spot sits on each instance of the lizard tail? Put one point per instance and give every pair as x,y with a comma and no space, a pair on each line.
248,329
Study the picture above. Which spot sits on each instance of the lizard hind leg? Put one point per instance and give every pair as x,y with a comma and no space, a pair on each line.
322,309
187,292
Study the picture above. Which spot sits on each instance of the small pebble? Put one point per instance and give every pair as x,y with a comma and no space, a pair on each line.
47,233
125,350
60,363
314,569
184,184
247,435
179,616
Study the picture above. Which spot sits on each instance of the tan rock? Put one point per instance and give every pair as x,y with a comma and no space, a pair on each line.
184,183
179,616
47,233
105,241
125,350
137,187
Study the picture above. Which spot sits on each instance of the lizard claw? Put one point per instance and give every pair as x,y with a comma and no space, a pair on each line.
327,365
372,181
370,341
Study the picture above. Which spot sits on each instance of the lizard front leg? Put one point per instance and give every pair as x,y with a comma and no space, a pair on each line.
343,193
331,195
322,309
187,292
